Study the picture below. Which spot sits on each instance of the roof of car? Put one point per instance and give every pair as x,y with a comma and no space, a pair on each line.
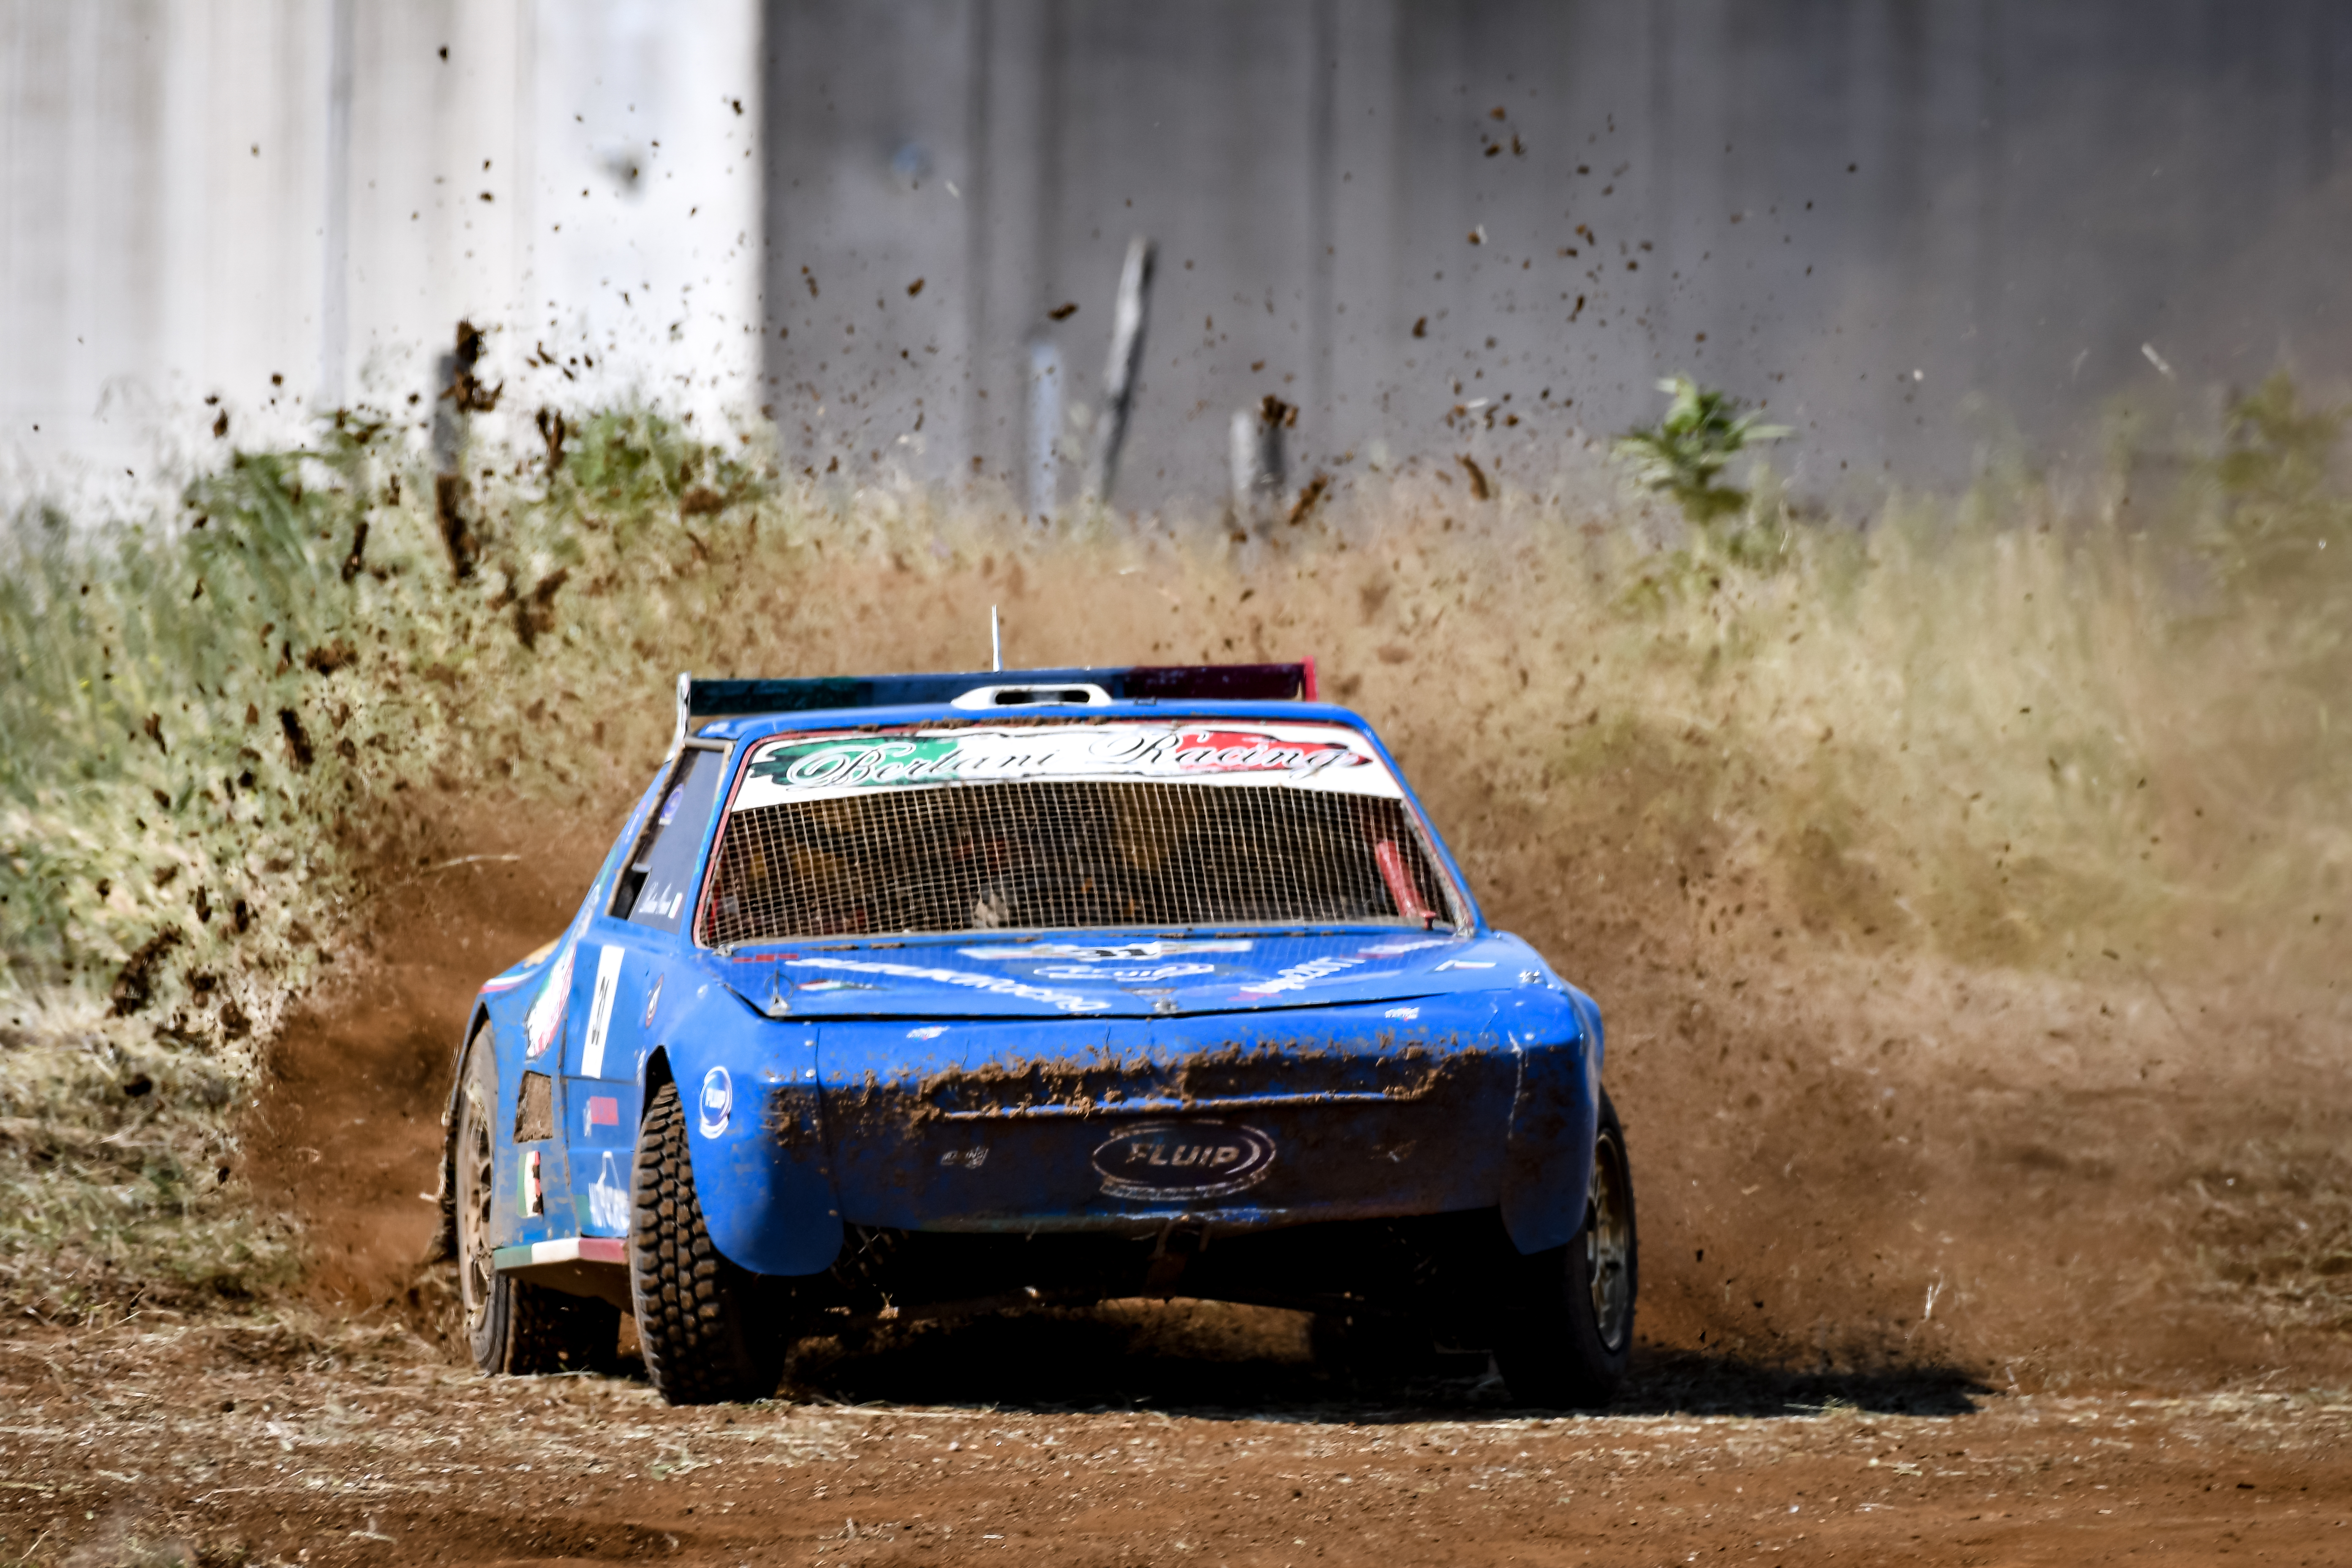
752,726
744,707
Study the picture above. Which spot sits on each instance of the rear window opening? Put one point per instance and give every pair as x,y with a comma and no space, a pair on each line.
1287,824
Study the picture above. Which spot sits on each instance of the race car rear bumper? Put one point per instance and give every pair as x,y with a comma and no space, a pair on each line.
1216,1123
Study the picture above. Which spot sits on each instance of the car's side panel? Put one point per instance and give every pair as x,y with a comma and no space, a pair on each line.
514,1219
630,960
533,1021
599,1137
618,981
1554,1112
761,1175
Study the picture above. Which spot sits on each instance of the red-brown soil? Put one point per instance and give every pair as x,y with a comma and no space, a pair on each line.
348,1133
1112,1441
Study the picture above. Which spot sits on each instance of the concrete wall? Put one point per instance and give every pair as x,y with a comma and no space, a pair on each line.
286,204
1927,234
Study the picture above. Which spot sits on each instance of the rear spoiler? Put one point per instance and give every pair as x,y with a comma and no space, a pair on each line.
699,699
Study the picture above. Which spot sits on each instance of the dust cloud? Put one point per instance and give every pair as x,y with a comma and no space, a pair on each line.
1853,1149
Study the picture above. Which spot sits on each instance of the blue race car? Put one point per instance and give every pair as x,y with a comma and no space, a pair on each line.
931,993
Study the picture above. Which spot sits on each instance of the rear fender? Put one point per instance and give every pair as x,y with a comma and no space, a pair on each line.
1554,1114
748,1086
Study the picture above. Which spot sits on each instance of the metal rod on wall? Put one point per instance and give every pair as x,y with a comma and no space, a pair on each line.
1126,362
1254,451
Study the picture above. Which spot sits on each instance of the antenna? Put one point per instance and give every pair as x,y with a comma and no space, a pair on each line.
996,640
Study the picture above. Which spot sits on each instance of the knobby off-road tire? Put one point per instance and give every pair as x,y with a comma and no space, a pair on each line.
511,1326
1567,1331
705,1329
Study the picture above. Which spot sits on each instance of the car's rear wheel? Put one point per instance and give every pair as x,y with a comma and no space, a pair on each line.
511,1326
1568,1333
701,1320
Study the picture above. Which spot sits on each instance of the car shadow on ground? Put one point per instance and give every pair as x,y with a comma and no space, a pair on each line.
1060,1363
1669,1382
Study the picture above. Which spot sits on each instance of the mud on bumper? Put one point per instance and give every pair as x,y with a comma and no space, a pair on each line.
1221,1128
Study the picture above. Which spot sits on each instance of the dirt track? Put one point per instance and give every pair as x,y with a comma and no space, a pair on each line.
2056,1247
163,1444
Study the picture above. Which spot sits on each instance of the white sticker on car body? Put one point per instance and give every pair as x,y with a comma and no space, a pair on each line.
1246,753
608,1198
541,1024
1106,952
1393,948
1183,1160
1299,976
1068,1001
600,1011
1127,977
716,1104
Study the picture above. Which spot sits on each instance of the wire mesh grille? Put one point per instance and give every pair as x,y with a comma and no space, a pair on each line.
1062,855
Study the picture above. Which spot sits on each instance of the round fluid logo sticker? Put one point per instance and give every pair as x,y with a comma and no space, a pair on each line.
718,1101
1183,1160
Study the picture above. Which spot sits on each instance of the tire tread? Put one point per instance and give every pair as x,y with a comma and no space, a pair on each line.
697,1321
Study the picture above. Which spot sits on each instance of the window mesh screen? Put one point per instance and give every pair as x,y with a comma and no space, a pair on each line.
1067,854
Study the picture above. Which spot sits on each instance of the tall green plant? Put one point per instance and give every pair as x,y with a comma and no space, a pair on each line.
1685,454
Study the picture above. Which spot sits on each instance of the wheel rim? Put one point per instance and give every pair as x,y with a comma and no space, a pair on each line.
1609,1245
475,1184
